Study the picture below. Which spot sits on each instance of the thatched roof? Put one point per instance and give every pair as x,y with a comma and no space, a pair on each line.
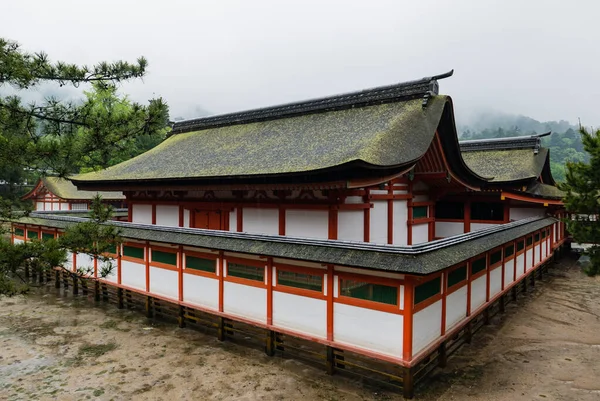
65,189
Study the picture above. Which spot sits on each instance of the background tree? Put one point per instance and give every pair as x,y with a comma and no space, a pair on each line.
582,186
62,138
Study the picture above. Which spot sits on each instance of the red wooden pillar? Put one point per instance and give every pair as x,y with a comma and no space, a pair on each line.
333,222
408,319
467,228
269,291
330,285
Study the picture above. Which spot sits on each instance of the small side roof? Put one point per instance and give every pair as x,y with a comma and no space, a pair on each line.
64,189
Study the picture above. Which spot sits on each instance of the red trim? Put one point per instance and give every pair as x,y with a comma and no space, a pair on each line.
444,295
408,320
180,270
530,199
330,285
221,270
467,216
269,291
181,214
367,220
147,260
372,305
281,221
239,219
119,264
469,280
333,223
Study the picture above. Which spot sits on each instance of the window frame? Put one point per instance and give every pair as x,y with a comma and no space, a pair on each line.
474,276
489,258
163,265
418,306
277,267
451,288
200,255
248,262
364,303
132,258
15,228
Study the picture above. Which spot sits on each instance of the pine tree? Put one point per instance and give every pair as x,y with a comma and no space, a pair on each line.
63,138
582,186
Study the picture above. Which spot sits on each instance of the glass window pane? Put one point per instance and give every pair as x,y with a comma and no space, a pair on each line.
245,271
167,258
133,252
300,280
427,290
368,291
207,265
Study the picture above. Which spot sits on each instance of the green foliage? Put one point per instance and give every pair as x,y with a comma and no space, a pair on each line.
582,186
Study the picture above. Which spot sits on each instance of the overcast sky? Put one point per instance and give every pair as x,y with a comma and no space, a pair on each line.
538,58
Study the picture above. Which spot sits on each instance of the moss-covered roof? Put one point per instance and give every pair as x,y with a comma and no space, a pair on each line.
507,164
65,189
419,259
382,135
538,189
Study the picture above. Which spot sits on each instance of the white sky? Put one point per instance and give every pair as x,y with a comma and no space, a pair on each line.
531,57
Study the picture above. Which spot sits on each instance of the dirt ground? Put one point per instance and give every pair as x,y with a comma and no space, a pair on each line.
547,346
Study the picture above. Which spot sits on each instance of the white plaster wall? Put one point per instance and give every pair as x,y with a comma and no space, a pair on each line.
233,220
480,226
20,241
186,218
245,301
478,292
133,274
302,314
427,326
529,259
456,307
112,276
68,263
39,206
509,272
261,221
400,211
351,225
379,222
420,233
519,213
369,329
495,281
520,265
141,214
201,291
166,215
448,228
64,206
306,223
85,261
164,282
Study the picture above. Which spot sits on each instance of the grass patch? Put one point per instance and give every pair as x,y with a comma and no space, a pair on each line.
95,350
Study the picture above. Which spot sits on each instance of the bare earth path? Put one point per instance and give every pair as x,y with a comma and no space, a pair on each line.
56,347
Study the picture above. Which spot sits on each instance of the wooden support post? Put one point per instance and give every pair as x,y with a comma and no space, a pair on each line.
75,285
56,279
96,291
330,361
181,317
120,298
408,383
502,303
84,287
468,333
513,292
270,343
486,316
104,292
221,329
149,306
339,359
533,279
525,285
443,355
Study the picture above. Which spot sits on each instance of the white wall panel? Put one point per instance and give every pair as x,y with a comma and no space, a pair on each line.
113,275
133,274
351,225
164,282
167,215
456,307
448,228
20,241
39,206
509,272
245,301
529,259
201,291
64,206
520,265
141,213
306,223
400,211
186,218
478,292
261,221
495,281
303,314
379,222
233,220
427,326
519,213
369,329
85,261
420,233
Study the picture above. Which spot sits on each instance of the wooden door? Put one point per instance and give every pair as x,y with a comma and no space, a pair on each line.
208,219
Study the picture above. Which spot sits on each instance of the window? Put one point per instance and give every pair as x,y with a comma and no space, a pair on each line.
478,266
456,276
384,294
112,248
133,252
529,241
520,245
420,212
487,211
245,271
79,206
168,258
32,234
206,265
47,236
19,232
537,237
495,257
509,251
450,210
300,280
543,234
427,290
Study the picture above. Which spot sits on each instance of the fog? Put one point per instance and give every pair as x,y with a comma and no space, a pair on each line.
535,58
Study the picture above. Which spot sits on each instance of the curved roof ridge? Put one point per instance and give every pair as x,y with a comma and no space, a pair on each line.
510,143
423,87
